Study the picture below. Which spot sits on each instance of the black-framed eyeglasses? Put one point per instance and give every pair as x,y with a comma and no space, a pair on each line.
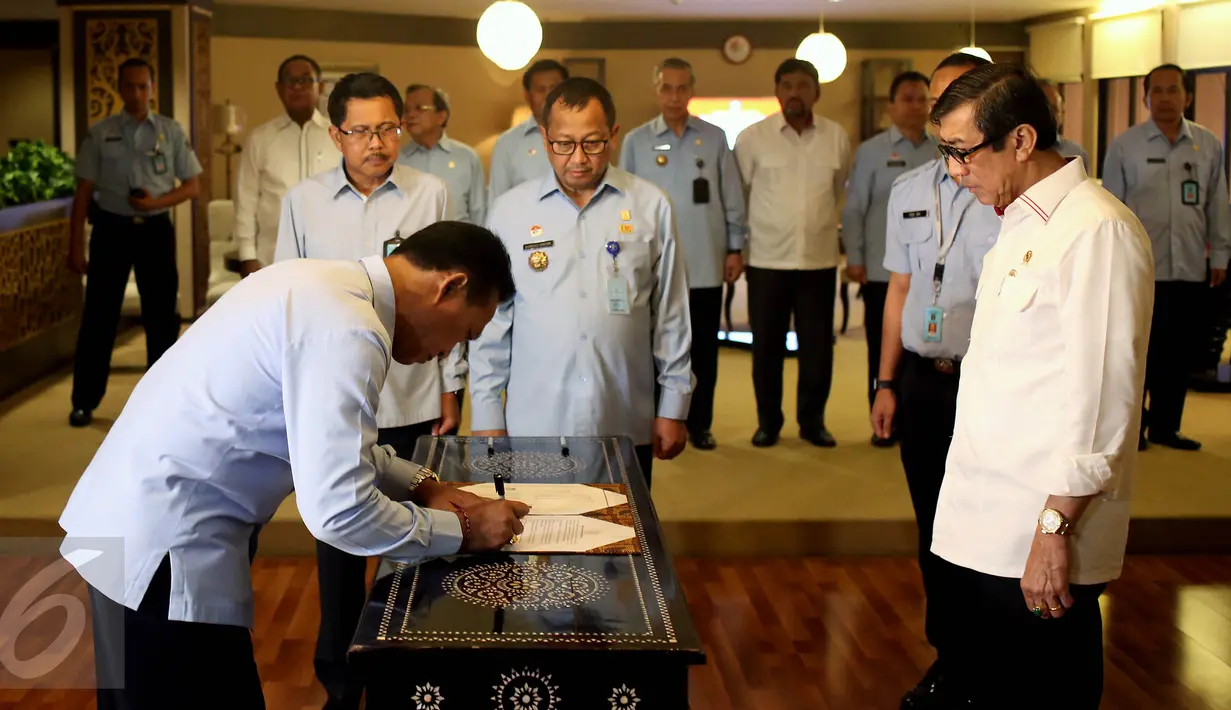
590,147
963,156
295,81
385,132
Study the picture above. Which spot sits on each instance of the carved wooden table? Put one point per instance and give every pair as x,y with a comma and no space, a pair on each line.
498,631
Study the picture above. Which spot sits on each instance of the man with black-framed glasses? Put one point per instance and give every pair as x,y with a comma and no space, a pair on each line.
366,206
276,157
596,343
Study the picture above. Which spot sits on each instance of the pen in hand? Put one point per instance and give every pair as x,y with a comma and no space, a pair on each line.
499,486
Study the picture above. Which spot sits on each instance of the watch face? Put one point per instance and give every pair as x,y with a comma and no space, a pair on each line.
1050,521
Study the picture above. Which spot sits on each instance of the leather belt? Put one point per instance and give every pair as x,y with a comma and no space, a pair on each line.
947,366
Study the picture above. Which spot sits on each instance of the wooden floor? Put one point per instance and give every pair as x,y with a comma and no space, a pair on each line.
819,633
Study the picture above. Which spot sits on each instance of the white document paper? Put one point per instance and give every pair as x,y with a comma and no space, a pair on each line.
553,498
567,533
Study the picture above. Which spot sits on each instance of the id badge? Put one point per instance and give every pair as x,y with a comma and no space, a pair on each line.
392,245
160,164
1190,192
933,318
617,296
700,191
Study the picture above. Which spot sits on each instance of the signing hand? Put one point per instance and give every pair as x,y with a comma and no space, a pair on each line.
1045,585
669,438
143,203
734,267
883,409
1217,276
493,523
857,274
450,414
434,494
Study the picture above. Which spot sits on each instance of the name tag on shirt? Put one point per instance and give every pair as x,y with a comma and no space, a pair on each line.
537,245
393,244
112,139
896,164
160,164
1156,161
617,296
915,215
933,318
1190,192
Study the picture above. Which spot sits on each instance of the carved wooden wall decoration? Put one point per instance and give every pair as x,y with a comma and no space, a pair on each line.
104,41
36,290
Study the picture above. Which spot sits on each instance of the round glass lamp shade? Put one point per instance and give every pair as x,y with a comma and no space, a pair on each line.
826,52
976,52
509,34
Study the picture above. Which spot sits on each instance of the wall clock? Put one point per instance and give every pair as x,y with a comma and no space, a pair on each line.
736,49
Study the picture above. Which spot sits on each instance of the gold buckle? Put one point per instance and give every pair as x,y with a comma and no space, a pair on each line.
945,366
138,220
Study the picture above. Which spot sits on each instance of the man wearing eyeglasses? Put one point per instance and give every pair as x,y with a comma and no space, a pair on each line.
276,157
364,207
431,151
601,317
935,238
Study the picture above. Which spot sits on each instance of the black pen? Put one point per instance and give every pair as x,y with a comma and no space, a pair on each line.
500,485
491,447
563,448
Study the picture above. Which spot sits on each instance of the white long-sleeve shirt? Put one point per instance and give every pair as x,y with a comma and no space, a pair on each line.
277,156
273,389
1050,397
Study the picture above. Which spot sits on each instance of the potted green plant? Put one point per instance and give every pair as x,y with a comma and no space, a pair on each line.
36,185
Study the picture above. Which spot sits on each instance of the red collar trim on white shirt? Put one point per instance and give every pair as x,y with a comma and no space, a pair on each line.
1044,196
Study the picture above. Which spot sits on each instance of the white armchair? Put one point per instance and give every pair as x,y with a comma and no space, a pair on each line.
221,240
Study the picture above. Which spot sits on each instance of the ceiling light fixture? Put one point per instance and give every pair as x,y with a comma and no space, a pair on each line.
825,52
509,34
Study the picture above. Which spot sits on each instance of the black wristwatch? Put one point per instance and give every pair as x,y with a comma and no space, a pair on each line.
884,384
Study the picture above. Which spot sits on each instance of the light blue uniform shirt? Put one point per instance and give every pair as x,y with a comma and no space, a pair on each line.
518,156
274,389
570,367
119,154
1147,173
912,247
459,166
879,161
706,231
1070,149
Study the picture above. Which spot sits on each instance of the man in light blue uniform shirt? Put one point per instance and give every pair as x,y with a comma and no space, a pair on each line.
600,321
880,161
126,172
518,155
429,150
365,207
690,160
273,390
1066,147
1169,171
928,315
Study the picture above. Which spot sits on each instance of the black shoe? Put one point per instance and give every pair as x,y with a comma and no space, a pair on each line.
819,437
1142,444
929,693
763,438
704,441
883,443
1175,441
81,417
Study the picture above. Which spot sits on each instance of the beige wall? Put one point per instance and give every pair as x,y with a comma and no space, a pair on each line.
485,97
29,102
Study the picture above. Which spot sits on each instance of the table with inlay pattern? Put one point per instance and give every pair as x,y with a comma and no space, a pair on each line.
609,629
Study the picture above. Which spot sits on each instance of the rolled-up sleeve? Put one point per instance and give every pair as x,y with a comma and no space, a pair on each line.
330,389
672,326
1106,301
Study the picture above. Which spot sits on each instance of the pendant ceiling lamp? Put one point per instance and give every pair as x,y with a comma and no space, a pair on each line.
509,34
825,51
974,49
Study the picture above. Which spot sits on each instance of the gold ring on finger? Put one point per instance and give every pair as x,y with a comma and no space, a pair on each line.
1054,608
514,540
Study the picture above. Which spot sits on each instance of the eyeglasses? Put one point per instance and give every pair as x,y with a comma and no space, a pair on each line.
421,108
364,135
963,156
296,81
590,147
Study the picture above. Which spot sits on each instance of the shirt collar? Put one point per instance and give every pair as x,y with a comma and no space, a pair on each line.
615,179
1155,132
398,181
413,147
128,118
659,124
1045,195
780,119
895,136
317,117
529,125
383,299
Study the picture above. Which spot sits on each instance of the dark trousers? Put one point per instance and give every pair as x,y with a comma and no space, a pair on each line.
773,296
117,246
343,580
873,293
927,409
144,661
1003,649
705,310
645,458
1175,338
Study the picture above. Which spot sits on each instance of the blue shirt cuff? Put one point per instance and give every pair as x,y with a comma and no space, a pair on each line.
674,405
395,480
446,534
486,416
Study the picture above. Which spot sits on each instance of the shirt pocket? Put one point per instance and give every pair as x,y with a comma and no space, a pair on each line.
1019,303
637,267
920,246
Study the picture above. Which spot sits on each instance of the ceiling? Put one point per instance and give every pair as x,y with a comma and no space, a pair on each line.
566,10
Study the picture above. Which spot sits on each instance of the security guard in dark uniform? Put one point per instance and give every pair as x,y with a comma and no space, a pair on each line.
126,172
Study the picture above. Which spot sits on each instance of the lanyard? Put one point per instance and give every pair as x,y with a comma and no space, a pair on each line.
938,273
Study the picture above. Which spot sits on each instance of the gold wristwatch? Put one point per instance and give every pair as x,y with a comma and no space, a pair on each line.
1053,522
423,474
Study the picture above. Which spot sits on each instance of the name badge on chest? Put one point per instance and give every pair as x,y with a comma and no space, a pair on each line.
1190,192
915,214
933,320
617,286
160,163
391,245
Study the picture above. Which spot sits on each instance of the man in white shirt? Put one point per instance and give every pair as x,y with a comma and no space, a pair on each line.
276,157
794,165
365,207
1034,508
275,388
